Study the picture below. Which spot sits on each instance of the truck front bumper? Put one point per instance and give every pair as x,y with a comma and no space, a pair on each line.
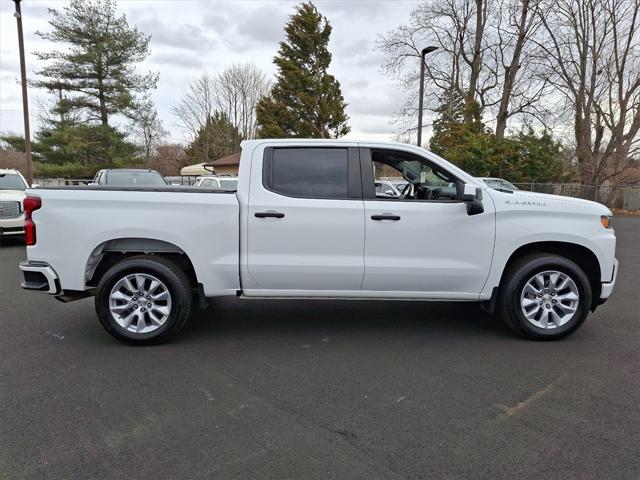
607,287
12,226
39,276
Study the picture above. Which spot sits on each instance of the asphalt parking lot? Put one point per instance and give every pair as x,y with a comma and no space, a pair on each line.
318,390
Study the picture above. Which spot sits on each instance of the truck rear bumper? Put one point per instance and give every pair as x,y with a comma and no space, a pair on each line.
39,276
607,287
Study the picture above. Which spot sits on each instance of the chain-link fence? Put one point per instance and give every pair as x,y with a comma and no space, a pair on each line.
623,197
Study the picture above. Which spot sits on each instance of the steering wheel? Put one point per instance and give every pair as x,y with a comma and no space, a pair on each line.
408,191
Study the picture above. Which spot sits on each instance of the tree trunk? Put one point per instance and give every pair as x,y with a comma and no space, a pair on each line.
511,72
476,63
104,117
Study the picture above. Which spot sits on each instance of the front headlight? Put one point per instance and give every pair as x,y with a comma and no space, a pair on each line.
606,221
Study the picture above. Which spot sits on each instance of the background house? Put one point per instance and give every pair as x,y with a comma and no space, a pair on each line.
223,166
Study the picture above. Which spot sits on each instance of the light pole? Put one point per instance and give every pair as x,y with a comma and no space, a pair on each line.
25,101
421,94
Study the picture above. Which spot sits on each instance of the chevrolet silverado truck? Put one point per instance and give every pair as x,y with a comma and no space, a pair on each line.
305,222
12,188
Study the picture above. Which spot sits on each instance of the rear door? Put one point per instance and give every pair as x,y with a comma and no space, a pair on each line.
305,217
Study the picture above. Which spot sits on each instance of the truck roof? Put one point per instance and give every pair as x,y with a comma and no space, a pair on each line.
302,141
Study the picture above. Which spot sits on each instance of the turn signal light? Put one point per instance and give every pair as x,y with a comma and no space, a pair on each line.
605,220
30,205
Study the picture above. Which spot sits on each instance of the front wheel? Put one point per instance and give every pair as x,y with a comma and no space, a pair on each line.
544,297
143,300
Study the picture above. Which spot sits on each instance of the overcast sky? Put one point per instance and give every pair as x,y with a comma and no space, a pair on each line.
189,38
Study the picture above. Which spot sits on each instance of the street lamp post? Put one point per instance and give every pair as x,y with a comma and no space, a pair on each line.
421,94
25,101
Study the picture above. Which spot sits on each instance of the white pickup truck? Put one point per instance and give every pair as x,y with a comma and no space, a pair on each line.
305,222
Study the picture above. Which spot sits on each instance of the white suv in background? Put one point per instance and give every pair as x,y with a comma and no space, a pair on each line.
12,187
217,181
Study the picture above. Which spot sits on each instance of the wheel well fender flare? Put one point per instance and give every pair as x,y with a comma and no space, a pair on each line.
111,251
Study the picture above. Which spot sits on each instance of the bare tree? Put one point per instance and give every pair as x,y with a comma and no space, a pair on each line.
169,159
482,57
234,93
521,88
147,128
592,52
238,89
196,108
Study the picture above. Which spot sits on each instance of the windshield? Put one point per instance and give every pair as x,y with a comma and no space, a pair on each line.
424,174
11,181
125,177
229,184
499,184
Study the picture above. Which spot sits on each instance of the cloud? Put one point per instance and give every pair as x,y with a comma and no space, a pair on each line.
359,84
355,9
172,58
187,36
385,102
264,24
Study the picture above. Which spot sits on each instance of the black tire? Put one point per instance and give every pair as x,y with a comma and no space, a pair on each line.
166,271
514,280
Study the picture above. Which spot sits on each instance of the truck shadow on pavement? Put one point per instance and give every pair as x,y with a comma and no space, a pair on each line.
12,241
234,318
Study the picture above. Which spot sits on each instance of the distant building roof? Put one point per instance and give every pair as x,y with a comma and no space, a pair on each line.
229,160
232,160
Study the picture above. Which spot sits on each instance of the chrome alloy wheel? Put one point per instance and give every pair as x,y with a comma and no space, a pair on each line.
549,299
140,303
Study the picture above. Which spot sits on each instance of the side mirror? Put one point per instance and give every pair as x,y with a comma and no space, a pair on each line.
472,196
468,192
92,184
389,192
35,185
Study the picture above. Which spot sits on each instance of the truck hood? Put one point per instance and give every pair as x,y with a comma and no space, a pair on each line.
12,195
544,199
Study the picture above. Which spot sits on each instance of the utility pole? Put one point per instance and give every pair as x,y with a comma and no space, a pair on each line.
25,100
421,94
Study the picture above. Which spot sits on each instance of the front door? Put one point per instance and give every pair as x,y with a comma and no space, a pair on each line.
423,243
305,221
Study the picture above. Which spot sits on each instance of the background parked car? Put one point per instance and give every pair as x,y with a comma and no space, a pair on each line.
12,186
498,183
215,181
123,177
385,187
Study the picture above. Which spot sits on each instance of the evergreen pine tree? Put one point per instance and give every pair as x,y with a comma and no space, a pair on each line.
218,138
96,75
306,101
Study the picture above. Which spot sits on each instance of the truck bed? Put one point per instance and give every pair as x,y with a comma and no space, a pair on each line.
76,224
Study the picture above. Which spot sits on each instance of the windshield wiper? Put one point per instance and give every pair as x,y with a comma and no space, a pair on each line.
504,190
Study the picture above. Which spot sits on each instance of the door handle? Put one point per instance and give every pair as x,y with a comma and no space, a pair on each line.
269,215
386,216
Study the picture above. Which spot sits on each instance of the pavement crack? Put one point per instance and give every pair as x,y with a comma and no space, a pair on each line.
348,435
508,412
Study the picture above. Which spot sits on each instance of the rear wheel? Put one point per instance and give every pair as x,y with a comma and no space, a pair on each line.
143,300
544,297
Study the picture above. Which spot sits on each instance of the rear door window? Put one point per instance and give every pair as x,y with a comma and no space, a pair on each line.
309,172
